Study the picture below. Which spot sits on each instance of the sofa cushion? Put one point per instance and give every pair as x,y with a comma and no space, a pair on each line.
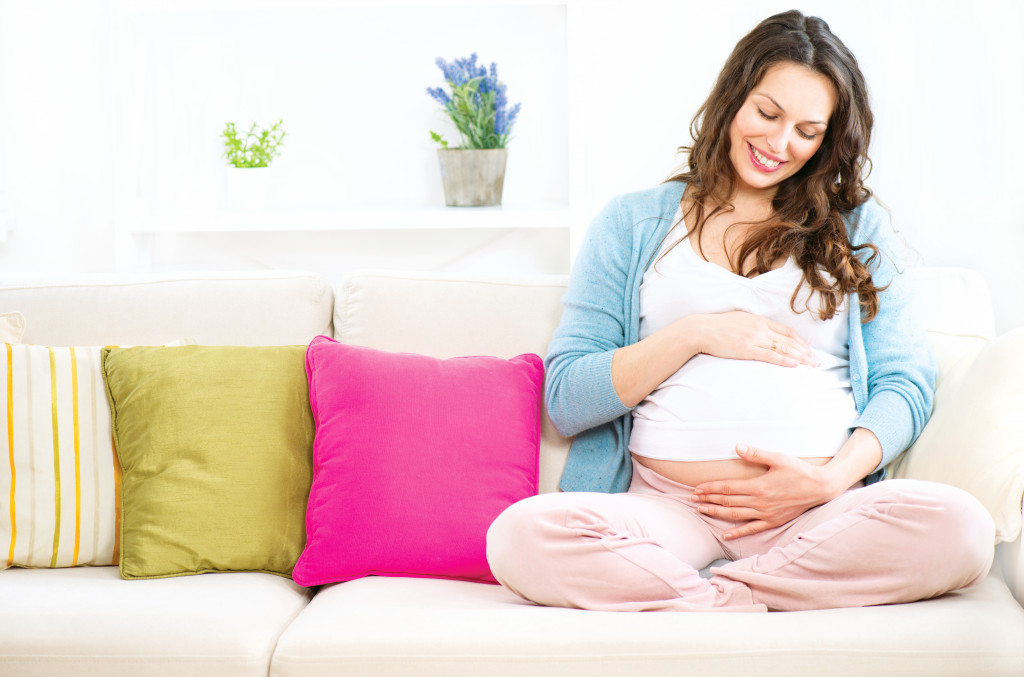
88,622
953,301
975,437
449,314
12,326
414,458
224,308
215,444
377,627
59,480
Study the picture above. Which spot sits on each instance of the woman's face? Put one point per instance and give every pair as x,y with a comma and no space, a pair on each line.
780,125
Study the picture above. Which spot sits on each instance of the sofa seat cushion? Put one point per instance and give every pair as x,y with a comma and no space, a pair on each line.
412,627
88,621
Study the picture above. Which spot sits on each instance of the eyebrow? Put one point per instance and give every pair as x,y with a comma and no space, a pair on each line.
777,105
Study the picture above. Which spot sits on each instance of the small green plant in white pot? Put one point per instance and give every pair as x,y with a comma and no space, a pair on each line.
249,157
473,174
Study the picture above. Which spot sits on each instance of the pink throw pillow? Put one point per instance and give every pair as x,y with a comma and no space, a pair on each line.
413,459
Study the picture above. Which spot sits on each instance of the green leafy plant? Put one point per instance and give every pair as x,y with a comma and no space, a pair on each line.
257,148
439,139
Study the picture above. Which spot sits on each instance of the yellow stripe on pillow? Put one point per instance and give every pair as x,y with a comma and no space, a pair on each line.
56,456
78,457
58,428
10,451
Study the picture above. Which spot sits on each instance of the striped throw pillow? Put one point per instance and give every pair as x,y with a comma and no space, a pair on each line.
59,483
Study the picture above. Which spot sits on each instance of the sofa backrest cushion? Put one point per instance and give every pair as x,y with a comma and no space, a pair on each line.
955,308
975,437
12,326
954,301
455,315
447,315
234,308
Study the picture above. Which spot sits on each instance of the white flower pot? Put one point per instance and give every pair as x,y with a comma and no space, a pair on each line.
249,188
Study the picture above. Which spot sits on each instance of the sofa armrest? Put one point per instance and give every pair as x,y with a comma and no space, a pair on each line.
975,438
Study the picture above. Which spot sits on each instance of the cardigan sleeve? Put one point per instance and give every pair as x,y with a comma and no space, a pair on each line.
901,370
578,389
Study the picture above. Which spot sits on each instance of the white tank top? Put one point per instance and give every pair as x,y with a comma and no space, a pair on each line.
711,404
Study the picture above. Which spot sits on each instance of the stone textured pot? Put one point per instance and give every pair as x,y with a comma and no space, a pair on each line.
472,177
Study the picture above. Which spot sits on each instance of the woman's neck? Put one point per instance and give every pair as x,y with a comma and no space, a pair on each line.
753,205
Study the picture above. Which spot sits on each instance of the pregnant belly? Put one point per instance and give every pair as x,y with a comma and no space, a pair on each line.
688,429
692,473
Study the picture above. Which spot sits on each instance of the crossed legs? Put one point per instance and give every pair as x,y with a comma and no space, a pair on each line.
890,542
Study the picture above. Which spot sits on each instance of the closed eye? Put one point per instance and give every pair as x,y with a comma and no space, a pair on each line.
803,134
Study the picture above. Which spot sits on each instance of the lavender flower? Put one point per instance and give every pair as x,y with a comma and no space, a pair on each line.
439,94
503,121
478,104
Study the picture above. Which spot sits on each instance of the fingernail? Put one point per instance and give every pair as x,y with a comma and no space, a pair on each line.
741,447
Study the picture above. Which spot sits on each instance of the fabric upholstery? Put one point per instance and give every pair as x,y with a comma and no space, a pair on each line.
414,458
450,314
60,480
975,438
223,308
88,622
953,301
391,627
12,326
215,445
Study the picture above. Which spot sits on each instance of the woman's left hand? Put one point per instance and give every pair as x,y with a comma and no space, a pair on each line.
788,488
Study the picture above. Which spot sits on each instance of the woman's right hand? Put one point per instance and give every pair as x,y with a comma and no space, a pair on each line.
740,335
639,368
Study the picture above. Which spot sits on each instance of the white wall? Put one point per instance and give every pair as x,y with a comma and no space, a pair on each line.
947,87
113,105
946,80
56,88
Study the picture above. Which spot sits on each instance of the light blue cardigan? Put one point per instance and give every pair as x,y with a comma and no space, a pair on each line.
892,371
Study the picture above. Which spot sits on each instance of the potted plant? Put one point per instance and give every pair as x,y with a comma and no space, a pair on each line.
249,158
473,174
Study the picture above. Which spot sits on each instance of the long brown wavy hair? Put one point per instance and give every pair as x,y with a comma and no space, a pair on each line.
807,223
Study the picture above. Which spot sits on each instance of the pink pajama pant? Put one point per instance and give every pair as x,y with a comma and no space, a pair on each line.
893,541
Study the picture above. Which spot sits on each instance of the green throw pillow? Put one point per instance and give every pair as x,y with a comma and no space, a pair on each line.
216,448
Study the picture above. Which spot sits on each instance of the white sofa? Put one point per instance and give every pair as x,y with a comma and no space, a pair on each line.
87,621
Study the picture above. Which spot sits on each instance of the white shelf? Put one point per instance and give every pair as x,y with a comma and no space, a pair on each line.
246,5
346,218
184,67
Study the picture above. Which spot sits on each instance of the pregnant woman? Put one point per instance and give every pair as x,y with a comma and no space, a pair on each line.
738,359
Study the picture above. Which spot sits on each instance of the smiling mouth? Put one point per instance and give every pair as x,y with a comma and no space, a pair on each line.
763,163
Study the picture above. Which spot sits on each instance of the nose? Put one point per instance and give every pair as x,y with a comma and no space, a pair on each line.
777,142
